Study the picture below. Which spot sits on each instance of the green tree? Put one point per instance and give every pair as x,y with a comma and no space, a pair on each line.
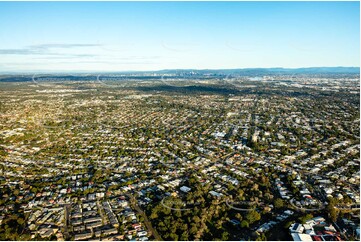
253,216
244,224
305,218
278,203
184,236
331,210
225,235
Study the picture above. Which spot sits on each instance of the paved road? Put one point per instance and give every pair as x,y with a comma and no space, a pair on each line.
67,208
339,229
148,224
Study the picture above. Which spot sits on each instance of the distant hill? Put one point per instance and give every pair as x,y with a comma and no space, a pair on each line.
206,73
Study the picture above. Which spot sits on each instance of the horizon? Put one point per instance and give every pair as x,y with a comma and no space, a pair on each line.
154,36
39,72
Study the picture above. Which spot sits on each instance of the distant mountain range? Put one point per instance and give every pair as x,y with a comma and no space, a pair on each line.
262,71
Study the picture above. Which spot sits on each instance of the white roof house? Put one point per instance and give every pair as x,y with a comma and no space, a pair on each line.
185,189
301,237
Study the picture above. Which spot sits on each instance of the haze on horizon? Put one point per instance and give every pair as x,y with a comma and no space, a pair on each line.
122,36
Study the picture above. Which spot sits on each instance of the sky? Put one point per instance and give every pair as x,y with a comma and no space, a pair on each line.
123,36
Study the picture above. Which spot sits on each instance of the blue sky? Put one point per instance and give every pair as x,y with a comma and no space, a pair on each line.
119,36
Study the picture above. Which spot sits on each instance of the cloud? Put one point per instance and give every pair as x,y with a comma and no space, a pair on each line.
72,55
47,49
100,58
63,46
58,56
114,63
18,52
